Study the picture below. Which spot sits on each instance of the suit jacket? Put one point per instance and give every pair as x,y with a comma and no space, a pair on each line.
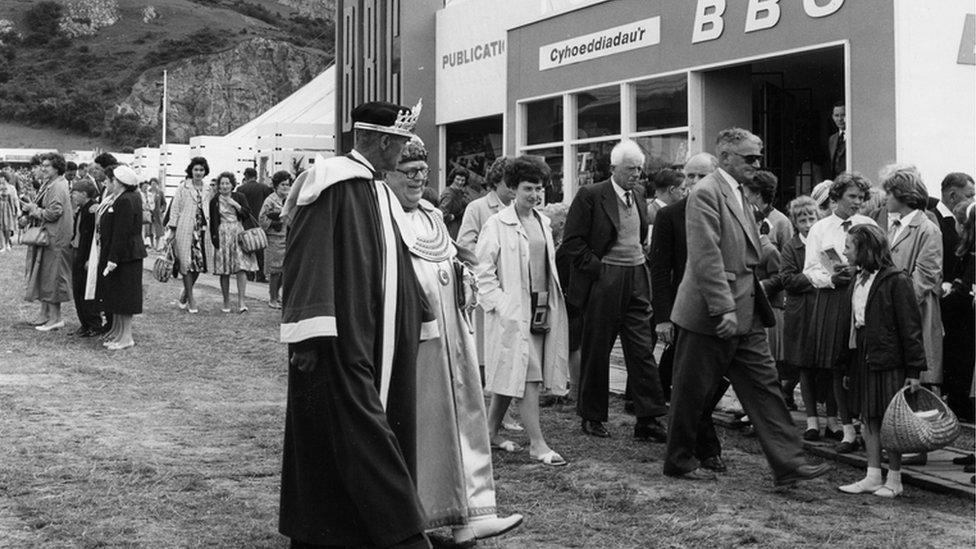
836,158
669,251
84,230
653,207
121,229
591,229
254,193
723,252
950,240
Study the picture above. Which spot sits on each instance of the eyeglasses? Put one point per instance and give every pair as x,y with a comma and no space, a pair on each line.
415,173
693,175
749,158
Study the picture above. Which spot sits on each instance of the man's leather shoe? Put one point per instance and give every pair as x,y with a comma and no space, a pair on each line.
650,429
595,428
714,463
968,459
695,474
803,472
845,447
811,435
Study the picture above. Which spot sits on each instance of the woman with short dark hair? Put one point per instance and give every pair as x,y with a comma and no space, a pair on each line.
49,265
527,347
230,216
274,229
188,229
454,200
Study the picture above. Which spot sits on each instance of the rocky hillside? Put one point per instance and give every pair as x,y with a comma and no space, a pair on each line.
311,8
94,67
213,94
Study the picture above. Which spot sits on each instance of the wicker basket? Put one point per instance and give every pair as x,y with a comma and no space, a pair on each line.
163,267
903,431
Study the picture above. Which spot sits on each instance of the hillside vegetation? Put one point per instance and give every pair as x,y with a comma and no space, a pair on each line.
49,76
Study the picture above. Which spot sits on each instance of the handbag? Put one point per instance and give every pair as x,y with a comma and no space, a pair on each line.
927,426
252,240
163,266
35,236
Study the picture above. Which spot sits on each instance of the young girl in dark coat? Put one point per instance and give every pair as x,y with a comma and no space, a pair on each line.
885,346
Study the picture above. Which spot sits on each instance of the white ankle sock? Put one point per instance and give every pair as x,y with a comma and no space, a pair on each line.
849,434
873,476
894,480
812,423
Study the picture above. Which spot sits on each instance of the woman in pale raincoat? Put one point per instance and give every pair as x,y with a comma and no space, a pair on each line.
526,327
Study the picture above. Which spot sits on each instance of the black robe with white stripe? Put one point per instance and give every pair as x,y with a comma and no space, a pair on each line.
347,475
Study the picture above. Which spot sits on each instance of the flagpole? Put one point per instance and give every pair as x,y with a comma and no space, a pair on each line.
165,90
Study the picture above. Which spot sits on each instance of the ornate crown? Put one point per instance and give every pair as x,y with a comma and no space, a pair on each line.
407,120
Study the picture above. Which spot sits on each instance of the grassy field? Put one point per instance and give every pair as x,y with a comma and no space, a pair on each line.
176,443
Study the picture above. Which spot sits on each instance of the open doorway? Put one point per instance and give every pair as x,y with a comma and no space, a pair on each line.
787,101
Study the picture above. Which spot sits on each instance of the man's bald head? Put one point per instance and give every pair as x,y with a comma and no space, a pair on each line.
699,166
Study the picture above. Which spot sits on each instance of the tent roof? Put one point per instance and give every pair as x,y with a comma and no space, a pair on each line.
313,103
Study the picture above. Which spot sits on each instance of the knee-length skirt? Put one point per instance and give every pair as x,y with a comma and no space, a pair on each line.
274,254
229,258
826,336
870,391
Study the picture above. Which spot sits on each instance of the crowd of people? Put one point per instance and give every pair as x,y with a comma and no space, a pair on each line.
88,228
392,306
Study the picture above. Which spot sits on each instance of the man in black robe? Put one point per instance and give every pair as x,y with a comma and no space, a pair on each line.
353,316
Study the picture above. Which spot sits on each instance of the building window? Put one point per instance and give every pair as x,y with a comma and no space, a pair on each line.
598,113
661,103
653,112
544,121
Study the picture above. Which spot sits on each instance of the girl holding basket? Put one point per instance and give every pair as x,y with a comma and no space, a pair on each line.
886,351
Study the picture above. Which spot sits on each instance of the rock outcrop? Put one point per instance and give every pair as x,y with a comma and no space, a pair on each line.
323,9
214,94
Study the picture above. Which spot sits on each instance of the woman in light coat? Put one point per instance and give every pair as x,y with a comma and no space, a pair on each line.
916,248
189,229
49,267
517,267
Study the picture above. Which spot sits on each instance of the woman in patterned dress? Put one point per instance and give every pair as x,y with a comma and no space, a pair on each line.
9,211
270,219
188,229
229,217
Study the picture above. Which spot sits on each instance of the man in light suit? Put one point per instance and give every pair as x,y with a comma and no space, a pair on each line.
721,311
609,283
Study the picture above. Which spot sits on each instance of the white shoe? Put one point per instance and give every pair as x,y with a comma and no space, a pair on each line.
889,492
860,487
50,327
486,527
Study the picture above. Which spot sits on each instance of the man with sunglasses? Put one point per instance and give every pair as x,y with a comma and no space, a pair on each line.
721,311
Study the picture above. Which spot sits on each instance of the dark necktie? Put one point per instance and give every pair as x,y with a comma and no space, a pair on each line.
846,225
627,199
865,276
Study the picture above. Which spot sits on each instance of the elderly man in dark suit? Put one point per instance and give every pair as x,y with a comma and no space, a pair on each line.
610,285
721,310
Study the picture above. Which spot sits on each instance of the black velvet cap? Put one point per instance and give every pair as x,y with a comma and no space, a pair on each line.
382,116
